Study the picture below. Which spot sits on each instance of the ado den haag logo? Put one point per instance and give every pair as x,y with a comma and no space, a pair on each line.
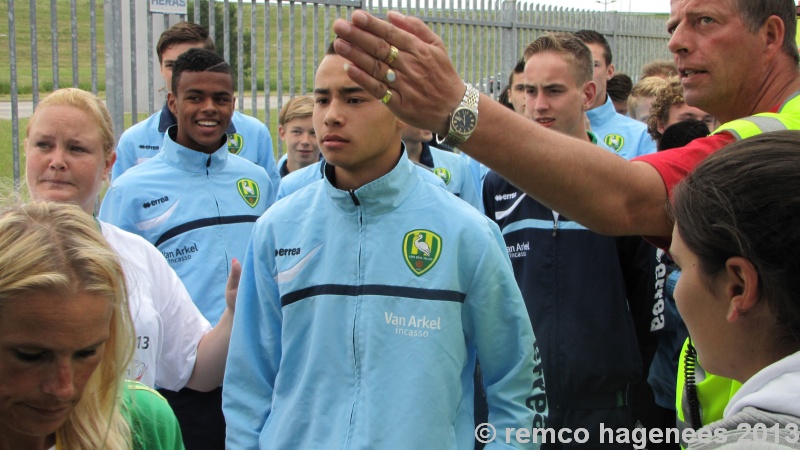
235,143
249,191
615,142
444,174
421,250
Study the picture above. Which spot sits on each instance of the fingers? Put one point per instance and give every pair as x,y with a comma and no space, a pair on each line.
374,87
232,288
414,26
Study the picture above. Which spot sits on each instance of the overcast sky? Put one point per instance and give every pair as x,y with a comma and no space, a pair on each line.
659,6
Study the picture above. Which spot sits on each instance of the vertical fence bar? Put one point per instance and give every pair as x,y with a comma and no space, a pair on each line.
304,47
112,12
226,30
240,53
292,48
73,14
151,94
212,18
279,53
93,43
54,41
267,68
253,61
197,11
34,54
12,53
134,84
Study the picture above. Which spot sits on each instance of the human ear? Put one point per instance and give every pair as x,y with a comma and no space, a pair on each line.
740,287
172,103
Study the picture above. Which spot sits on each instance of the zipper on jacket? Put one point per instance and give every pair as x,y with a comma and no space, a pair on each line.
555,227
353,196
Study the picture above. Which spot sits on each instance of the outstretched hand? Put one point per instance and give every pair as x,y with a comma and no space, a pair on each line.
426,87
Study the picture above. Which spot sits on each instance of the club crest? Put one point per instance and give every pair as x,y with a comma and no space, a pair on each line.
249,191
235,143
421,249
614,142
443,173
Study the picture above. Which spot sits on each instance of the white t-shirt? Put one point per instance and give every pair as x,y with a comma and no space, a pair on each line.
167,323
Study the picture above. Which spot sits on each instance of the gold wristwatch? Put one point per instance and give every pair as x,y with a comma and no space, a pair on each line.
463,119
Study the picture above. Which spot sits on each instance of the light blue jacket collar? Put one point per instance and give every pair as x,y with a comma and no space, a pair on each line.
190,160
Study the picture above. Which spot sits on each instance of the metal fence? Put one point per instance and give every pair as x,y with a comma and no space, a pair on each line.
278,44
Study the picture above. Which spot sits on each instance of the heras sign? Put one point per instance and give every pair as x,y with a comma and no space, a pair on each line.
168,6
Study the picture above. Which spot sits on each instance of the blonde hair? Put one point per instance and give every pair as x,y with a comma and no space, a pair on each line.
666,97
57,247
296,108
86,102
646,87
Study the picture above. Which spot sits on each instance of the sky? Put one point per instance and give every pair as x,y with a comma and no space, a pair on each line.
651,6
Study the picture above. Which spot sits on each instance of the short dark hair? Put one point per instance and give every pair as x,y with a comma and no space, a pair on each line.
183,32
518,68
755,13
593,37
619,87
744,200
198,60
681,133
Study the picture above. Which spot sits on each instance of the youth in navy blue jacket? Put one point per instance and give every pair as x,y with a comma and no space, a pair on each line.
576,285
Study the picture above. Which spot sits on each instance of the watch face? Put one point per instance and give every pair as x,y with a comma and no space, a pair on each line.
464,121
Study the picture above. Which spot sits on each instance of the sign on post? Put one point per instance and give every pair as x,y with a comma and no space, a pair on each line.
168,6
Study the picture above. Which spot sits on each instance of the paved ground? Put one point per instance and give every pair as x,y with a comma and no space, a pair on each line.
25,108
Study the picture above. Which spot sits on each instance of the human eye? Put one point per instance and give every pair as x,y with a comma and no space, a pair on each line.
321,100
355,100
707,20
530,91
28,357
88,353
78,149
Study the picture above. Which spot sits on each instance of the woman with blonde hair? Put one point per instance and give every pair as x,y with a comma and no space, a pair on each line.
66,339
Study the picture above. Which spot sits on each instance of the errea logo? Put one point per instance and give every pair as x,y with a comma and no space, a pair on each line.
155,202
501,197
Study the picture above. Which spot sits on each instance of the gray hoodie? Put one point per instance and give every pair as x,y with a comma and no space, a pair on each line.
763,415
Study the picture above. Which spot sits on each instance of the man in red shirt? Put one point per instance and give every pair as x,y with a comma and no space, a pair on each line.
735,58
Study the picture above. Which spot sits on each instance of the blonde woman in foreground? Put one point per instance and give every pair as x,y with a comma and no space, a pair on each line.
66,338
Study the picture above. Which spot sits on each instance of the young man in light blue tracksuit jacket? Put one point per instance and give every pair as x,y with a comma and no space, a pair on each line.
247,136
365,298
197,203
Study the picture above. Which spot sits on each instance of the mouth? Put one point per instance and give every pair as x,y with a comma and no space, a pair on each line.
334,139
57,182
50,411
688,73
545,121
207,123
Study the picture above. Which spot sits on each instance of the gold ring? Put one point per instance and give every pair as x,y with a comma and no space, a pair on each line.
392,55
390,76
387,97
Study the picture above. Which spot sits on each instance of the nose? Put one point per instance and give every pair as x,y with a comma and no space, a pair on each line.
679,41
60,383
539,103
306,139
57,159
333,115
